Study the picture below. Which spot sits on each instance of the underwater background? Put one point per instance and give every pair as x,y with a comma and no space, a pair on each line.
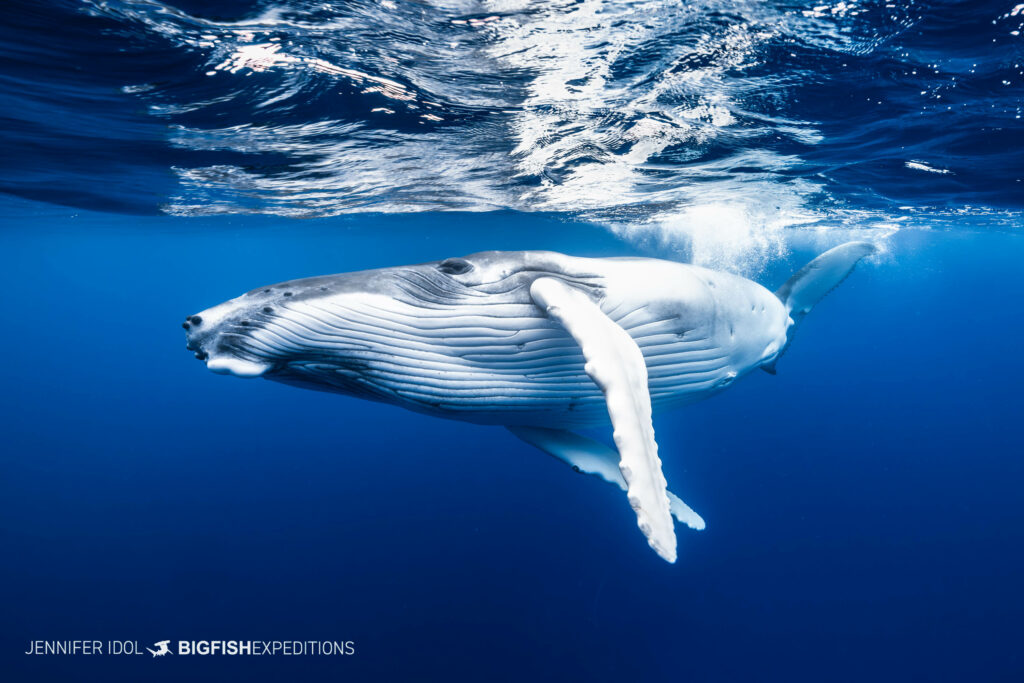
864,511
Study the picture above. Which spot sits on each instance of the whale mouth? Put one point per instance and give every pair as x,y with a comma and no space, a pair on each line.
217,344
230,365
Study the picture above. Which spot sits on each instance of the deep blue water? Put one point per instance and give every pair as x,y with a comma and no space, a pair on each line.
864,508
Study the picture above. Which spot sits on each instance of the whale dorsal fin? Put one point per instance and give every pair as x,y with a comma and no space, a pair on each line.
615,363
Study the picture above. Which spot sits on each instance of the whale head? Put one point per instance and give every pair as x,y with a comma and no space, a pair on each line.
310,331
219,337
326,332
245,336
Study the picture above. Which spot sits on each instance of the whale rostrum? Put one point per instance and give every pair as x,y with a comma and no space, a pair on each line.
539,342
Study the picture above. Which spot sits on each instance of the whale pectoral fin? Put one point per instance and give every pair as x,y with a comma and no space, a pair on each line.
593,457
684,513
615,363
579,452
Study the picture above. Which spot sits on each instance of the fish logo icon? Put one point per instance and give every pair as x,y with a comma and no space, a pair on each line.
161,649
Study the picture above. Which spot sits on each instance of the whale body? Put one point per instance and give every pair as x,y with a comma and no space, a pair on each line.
539,342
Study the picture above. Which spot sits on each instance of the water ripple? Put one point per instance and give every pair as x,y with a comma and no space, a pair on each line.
707,125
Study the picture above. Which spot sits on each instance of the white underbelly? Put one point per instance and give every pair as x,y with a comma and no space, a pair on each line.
502,363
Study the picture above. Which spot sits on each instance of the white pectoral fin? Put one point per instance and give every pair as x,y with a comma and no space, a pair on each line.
684,513
615,363
593,457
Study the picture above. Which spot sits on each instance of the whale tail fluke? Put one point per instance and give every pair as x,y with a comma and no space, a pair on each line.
811,283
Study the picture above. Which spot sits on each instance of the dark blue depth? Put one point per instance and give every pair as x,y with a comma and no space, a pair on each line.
863,507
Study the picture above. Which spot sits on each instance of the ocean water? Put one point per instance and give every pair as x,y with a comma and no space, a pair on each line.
864,511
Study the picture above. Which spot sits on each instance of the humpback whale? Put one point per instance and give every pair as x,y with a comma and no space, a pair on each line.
539,342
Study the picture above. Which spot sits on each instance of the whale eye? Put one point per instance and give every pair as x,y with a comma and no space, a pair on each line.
455,266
